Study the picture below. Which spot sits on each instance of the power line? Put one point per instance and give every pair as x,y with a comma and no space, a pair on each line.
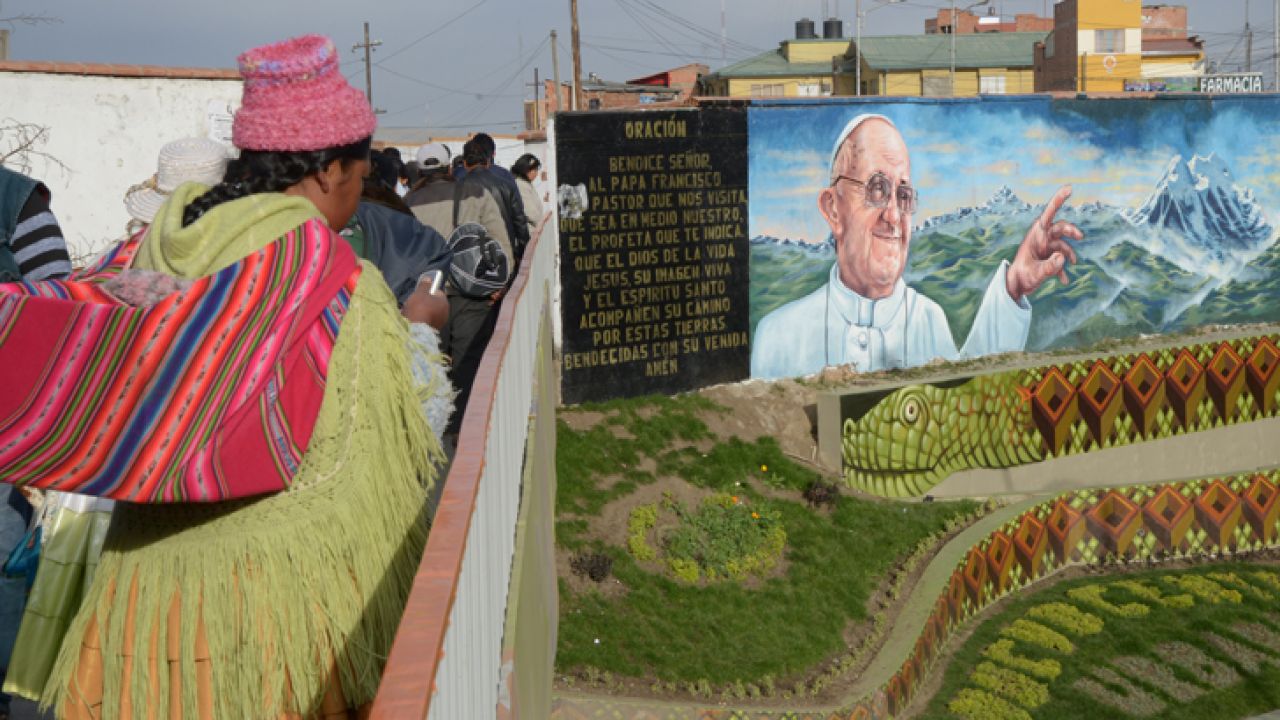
439,29
448,91
483,106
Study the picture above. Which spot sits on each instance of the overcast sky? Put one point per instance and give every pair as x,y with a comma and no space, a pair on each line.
467,64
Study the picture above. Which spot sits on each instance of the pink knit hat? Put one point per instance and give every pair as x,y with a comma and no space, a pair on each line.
296,100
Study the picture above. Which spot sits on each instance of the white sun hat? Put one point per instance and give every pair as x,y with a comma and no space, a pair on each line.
198,160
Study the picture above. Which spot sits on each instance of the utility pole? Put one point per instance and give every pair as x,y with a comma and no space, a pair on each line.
368,65
577,56
1248,40
537,102
953,48
724,37
953,39
1276,47
858,48
555,69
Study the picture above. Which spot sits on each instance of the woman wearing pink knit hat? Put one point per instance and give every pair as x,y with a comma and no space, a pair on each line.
246,400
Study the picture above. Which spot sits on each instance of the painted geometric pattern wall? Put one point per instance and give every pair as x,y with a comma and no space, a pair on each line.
917,436
1157,394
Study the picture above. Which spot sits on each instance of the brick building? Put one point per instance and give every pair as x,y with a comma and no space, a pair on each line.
968,23
1164,22
675,86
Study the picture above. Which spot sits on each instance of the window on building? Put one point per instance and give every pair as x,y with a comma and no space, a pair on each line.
768,89
1108,41
817,89
991,85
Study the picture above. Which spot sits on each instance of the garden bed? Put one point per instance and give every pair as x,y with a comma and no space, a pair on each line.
787,627
1180,641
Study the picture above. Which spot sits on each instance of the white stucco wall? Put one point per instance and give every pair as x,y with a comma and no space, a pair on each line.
108,132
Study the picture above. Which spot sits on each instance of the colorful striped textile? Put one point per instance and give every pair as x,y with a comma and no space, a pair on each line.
209,394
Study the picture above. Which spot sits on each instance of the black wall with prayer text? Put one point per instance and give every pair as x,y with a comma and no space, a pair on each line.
654,269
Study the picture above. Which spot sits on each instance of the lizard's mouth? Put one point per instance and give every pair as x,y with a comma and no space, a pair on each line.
884,482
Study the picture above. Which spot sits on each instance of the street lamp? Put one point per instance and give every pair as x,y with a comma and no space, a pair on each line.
858,41
953,38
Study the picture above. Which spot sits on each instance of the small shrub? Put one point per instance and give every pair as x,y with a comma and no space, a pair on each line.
1002,651
596,566
1205,589
1010,684
768,686
819,493
1034,633
641,520
1092,595
975,704
682,569
1068,617
724,538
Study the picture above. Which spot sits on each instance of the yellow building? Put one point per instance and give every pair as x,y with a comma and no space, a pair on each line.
798,68
1100,45
985,63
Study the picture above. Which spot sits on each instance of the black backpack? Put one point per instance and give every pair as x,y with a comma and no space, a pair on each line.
480,267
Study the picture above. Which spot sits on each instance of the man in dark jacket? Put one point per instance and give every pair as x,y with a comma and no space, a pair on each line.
483,177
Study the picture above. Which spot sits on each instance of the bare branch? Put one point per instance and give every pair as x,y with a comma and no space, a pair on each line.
22,142
29,19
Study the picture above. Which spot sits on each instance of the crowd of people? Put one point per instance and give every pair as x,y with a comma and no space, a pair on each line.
219,441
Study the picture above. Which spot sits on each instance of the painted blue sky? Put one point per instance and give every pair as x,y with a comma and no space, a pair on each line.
1112,151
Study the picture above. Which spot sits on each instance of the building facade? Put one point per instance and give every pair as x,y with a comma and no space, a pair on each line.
920,65
1115,45
800,67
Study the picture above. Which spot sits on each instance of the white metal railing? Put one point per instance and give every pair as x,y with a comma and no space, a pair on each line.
448,651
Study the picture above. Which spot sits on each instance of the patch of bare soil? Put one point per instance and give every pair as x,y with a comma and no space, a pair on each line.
610,525
785,410
932,682
581,420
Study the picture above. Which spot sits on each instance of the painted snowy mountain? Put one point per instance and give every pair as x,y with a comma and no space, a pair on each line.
1213,217
1002,202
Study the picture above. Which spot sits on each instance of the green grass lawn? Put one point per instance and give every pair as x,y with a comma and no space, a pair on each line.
1187,606
721,632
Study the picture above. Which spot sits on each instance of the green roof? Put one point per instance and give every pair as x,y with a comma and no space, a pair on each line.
918,52
771,64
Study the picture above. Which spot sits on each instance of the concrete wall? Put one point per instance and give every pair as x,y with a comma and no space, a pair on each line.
107,130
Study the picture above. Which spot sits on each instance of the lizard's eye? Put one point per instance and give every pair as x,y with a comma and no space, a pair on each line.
911,410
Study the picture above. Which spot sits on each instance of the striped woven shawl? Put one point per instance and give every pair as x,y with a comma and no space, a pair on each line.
210,393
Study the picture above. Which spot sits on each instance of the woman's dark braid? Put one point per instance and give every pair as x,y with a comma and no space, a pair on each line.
256,172
263,171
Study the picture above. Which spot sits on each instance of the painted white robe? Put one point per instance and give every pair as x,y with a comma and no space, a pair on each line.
835,326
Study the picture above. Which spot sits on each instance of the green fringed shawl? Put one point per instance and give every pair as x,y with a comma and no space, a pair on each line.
286,584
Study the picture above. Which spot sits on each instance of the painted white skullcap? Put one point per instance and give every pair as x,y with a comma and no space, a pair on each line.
848,130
